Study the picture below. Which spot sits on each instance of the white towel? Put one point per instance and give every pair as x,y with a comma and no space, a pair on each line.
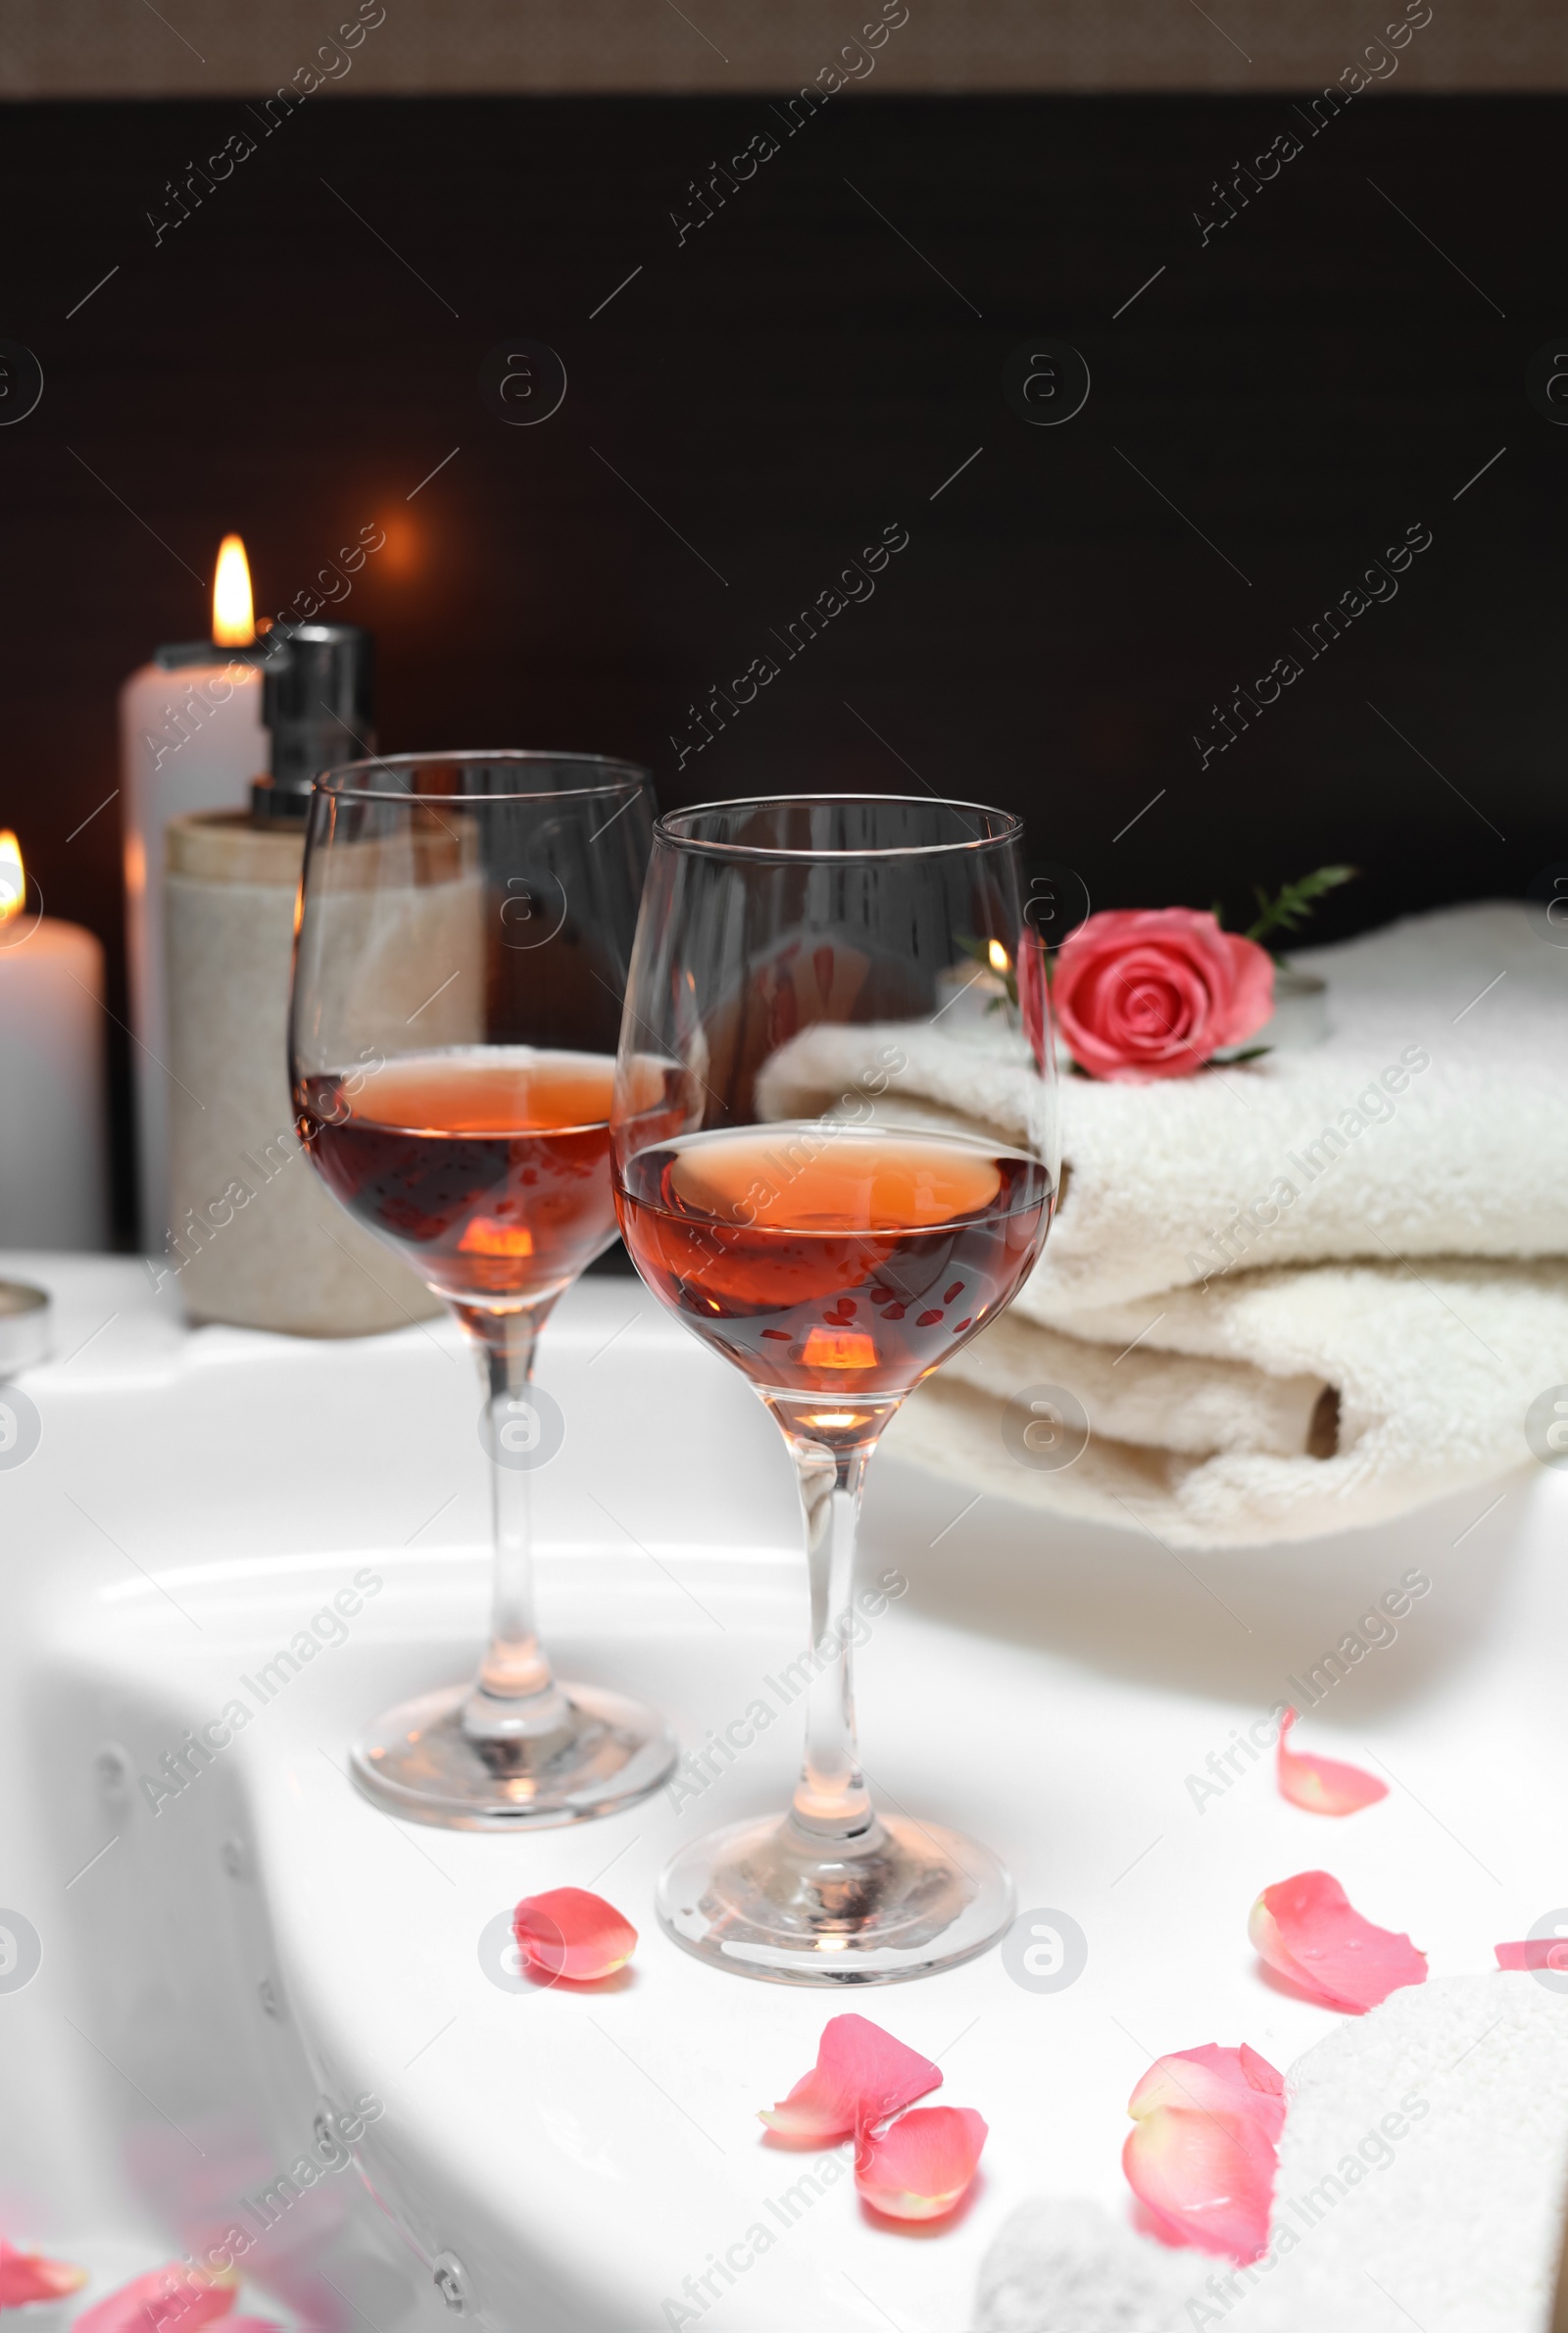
1295,1296
1432,1121
1415,1386
1063,2264
1422,2171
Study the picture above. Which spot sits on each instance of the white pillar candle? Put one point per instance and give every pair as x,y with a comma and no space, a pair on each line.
53,1181
192,739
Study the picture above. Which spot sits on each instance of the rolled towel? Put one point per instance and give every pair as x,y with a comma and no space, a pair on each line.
1422,2173
1153,1396
1276,1406
1432,1121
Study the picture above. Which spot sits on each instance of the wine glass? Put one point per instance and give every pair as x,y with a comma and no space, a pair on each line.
464,925
785,1196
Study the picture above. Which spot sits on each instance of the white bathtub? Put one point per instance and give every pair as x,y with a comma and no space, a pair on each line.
231,1968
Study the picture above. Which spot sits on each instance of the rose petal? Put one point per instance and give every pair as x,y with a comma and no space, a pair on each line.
1306,1929
27,2276
921,2165
1217,2080
1323,1785
569,1932
1205,2176
861,2077
1535,1952
175,2299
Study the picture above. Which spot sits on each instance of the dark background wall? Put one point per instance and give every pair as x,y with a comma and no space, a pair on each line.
1329,369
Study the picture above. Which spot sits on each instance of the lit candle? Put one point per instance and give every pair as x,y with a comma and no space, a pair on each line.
974,990
192,739
52,1158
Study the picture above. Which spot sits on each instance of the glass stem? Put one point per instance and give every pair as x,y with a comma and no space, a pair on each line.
515,1695
831,1800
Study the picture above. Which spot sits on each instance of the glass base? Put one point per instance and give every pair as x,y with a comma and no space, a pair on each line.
417,1761
767,1899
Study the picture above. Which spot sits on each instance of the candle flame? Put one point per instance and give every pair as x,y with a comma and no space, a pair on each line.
233,618
999,957
12,877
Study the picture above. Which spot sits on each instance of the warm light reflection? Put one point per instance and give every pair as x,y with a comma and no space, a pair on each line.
234,615
839,1349
12,877
999,957
484,1238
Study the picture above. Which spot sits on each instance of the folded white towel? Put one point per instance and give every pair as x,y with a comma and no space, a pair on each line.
1228,1288
1204,1431
1422,2172
1432,1121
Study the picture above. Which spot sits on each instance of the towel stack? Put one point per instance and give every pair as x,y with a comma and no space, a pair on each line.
1309,1292
1421,2181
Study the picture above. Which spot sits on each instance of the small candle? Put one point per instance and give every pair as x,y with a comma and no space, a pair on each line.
52,1158
974,990
192,739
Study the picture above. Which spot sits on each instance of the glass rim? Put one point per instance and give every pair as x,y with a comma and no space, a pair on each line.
620,777
1009,830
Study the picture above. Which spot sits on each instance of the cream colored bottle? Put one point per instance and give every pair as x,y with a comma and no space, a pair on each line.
257,1239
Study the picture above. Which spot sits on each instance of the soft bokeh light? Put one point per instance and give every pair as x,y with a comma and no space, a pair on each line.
13,877
402,552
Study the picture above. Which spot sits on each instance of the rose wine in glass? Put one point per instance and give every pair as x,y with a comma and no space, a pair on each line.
464,926
863,1270
487,1166
835,1242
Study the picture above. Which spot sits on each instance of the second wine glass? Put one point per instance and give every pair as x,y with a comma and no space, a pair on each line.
835,1242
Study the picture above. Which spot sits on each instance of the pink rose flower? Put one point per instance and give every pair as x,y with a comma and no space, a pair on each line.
1156,992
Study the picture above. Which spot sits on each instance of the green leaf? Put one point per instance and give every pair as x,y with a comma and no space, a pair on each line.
1295,903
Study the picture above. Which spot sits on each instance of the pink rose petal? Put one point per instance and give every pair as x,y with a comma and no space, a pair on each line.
1205,2176
569,1932
862,2076
1202,2161
921,2165
1216,2080
1306,1929
27,2276
1535,1952
175,2299
1323,1785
